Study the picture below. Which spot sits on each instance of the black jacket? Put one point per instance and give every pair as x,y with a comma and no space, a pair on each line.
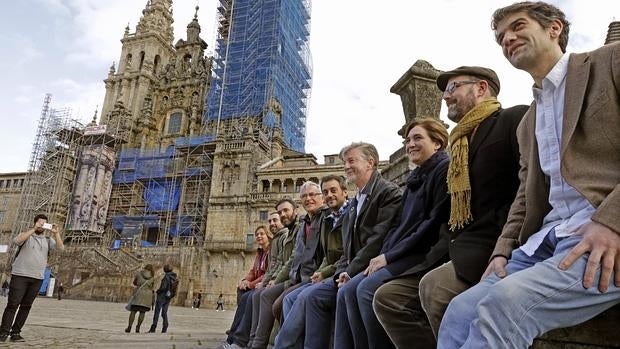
493,175
362,236
165,284
425,207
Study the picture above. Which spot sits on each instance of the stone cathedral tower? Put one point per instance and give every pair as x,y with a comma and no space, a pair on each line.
157,91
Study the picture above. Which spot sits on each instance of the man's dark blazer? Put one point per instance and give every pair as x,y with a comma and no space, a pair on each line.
493,175
362,237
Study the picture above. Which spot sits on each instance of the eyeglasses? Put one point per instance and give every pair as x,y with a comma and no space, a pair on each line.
310,195
456,84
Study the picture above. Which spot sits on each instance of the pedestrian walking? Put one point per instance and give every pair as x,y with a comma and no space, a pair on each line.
141,300
220,303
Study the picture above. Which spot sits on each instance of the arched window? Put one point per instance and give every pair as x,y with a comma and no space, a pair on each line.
175,120
156,64
266,186
128,61
141,60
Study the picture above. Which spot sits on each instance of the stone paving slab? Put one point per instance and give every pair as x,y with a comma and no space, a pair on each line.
85,324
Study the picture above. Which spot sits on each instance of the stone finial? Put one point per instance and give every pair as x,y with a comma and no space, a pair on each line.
613,33
418,92
112,68
126,30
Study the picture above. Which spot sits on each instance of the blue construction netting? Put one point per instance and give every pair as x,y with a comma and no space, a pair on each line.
130,226
135,165
183,227
266,55
162,195
193,141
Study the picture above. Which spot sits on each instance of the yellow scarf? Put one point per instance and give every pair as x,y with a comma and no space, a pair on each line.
459,186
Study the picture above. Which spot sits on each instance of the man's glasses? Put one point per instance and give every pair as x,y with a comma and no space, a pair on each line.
456,84
310,195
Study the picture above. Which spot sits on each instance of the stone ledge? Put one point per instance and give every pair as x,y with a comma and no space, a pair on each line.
599,332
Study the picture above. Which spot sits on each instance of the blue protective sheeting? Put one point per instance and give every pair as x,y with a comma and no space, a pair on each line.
116,245
162,195
193,141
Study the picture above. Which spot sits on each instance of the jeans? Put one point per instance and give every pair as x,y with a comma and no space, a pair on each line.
291,334
356,323
289,300
320,306
161,305
534,298
22,292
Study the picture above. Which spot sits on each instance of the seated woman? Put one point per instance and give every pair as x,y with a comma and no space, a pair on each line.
425,208
263,237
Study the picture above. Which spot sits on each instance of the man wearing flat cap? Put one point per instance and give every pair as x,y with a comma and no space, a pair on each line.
482,181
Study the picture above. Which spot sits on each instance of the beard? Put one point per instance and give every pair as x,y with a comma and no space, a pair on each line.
462,107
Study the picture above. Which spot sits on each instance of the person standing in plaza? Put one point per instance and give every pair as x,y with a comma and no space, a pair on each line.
27,275
220,303
166,291
60,291
141,300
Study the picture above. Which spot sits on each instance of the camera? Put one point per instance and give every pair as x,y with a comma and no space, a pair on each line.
47,226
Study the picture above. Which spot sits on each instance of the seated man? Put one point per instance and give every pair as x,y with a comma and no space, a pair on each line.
335,194
424,211
562,236
370,215
300,266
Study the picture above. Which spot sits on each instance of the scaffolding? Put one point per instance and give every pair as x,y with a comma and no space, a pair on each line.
159,197
52,167
262,54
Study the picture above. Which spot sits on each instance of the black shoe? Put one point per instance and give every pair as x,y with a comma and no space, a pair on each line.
3,337
128,329
152,329
137,329
17,338
164,330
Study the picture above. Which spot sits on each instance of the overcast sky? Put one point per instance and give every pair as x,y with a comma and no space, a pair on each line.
360,48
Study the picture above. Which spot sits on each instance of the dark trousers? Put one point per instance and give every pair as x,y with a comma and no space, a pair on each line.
161,305
241,335
242,301
22,292
398,309
265,318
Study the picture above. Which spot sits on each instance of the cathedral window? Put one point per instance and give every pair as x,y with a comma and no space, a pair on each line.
264,215
174,123
141,60
156,64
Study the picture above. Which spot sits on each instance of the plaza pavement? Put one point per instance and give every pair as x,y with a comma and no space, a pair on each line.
85,324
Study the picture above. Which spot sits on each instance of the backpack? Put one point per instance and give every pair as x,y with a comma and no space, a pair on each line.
172,288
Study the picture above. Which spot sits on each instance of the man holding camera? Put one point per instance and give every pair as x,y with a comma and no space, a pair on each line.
27,275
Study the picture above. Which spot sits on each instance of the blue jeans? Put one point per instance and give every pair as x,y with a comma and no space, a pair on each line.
534,298
161,305
320,306
356,323
291,334
289,300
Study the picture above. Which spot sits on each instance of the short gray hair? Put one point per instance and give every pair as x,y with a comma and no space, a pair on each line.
309,184
369,152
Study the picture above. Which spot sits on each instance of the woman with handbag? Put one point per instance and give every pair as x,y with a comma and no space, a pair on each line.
142,298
